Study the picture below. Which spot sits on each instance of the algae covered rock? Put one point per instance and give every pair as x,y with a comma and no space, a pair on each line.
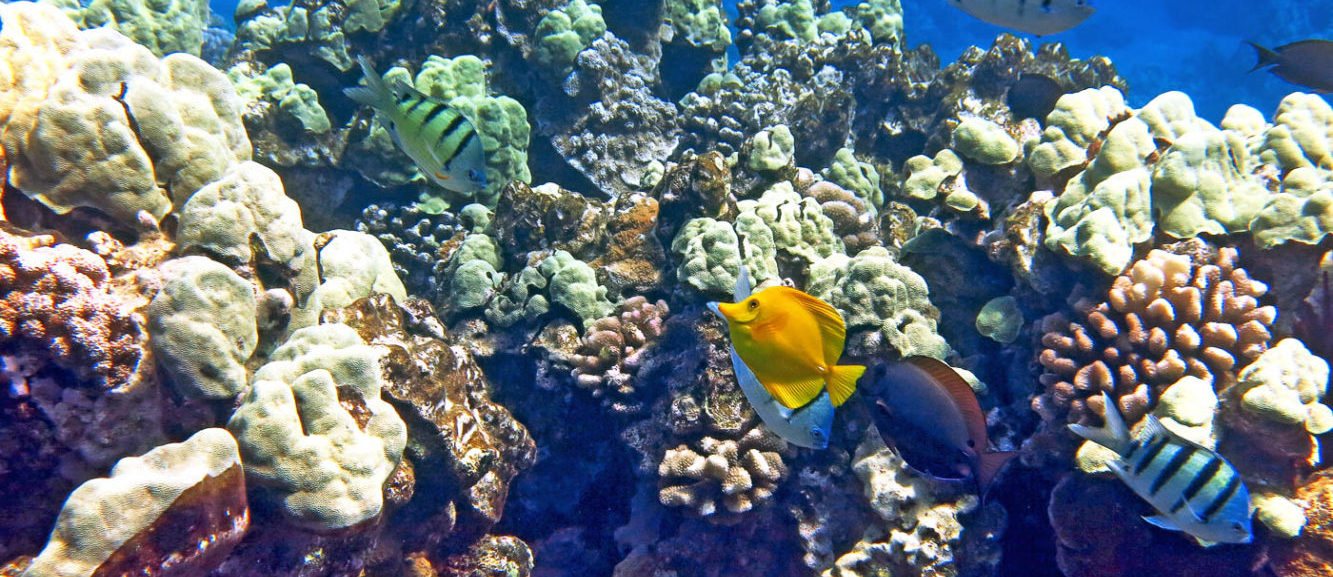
202,324
180,507
313,429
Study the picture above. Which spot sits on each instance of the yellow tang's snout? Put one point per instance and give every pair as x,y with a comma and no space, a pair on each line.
741,312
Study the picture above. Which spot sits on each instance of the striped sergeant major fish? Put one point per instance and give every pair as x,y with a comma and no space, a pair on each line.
1040,17
440,140
1193,488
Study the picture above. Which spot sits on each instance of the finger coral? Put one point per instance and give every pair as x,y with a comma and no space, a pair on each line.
610,350
1167,317
722,475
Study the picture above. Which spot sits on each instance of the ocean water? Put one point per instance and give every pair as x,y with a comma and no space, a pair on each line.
253,323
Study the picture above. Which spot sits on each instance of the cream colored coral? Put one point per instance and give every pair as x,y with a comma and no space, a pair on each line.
1285,385
92,119
736,474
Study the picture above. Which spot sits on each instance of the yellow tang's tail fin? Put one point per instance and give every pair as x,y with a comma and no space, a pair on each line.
842,382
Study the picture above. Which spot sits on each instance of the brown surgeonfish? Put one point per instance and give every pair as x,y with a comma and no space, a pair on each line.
930,416
1307,63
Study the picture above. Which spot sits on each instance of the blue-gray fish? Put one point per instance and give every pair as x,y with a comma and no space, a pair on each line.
1308,63
1040,17
1193,488
439,139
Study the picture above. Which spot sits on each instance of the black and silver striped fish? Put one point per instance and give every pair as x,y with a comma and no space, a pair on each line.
439,139
1040,17
1193,488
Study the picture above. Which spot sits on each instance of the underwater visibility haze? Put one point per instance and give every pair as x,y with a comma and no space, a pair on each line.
666,288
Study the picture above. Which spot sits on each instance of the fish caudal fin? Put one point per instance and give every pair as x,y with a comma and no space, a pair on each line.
842,382
989,466
376,93
1266,56
1114,436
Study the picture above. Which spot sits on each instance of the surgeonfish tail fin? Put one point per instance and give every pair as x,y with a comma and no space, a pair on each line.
989,466
376,93
842,382
1114,435
1266,56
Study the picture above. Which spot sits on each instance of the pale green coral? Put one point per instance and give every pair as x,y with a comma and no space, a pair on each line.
1302,211
313,429
1076,121
573,285
709,253
368,15
1282,516
1106,209
1285,385
317,31
565,32
353,265
926,174
1171,115
859,177
202,324
772,149
701,23
872,291
1203,185
883,18
985,142
243,212
1302,133
788,20
298,102
792,225
163,26
472,275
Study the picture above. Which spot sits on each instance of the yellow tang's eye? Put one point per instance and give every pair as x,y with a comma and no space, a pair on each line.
754,304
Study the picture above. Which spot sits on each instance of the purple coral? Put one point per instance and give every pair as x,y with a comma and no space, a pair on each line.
55,297
611,350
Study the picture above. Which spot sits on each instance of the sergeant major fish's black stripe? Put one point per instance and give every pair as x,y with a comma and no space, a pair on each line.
434,111
1134,446
419,101
1203,478
1230,491
1172,467
1155,446
449,129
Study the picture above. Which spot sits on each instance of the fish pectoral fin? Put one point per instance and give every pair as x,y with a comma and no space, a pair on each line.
795,394
1162,522
842,382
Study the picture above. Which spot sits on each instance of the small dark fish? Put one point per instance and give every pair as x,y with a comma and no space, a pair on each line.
1033,96
1307,63
931,417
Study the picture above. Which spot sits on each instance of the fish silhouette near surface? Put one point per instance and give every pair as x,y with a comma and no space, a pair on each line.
1040,17
1307,63
442,142
784,348
930,416
1193,488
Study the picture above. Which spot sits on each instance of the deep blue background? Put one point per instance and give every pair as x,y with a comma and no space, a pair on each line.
1195,46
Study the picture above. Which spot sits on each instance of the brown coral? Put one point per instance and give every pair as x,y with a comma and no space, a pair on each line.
736,474
55,297
1168,316
853,218
611,351
445,398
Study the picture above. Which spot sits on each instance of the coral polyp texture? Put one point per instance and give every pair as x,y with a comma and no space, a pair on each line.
722,476
1169,316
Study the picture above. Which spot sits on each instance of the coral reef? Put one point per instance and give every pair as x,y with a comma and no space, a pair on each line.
722,475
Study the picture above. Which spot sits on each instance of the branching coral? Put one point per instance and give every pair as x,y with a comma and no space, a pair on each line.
611,350
735,474
1167,317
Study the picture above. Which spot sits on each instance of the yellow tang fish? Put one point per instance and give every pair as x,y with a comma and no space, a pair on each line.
792,342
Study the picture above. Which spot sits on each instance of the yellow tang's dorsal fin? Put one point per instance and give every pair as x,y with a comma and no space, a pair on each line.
832,331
